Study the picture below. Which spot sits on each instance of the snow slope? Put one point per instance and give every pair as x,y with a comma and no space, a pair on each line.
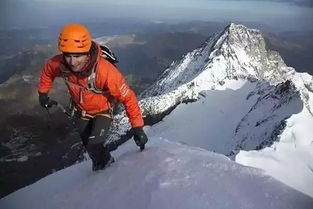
165,175
211,121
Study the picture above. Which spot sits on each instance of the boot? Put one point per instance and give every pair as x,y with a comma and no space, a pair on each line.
101,165
100,156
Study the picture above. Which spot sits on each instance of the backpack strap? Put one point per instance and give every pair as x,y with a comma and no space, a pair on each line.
108,54
91,86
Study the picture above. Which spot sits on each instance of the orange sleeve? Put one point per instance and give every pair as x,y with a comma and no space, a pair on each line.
47,76
119,89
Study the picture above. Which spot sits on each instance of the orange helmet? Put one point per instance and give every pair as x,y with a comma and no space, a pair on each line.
74,38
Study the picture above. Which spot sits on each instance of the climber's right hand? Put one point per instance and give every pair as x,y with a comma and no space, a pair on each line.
45,101
140,137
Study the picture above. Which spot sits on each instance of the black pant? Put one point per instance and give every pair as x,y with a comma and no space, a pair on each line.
93,133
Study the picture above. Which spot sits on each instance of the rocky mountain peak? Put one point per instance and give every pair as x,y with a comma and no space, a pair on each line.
245,53
236,52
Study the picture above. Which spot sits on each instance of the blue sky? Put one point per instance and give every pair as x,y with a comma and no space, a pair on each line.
282,13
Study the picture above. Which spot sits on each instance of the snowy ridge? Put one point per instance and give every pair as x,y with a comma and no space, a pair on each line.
235,53
166,175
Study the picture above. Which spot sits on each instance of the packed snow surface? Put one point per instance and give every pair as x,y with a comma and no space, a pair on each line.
165,175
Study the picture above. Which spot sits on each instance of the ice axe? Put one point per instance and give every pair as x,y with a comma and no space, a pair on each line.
61,107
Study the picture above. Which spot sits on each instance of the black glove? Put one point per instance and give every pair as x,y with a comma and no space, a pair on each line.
140,137
45,101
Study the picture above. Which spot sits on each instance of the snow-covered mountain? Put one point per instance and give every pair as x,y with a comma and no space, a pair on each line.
244,100
235,53
166,175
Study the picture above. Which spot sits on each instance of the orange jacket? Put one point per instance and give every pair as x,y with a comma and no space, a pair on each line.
107,78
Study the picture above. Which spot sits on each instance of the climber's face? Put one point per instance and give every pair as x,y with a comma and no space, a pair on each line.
76,62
